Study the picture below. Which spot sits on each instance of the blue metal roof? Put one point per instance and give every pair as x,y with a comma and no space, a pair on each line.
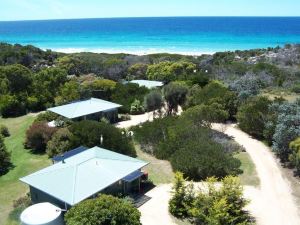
148,83
133,176
84,108
83,175
68,154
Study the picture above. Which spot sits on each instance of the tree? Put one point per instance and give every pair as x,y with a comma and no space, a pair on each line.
295,155
100,88
68,93
88,133
175,95
153,101
4,157
182,197
138,71
170,71
287,129
10,105
125,94
252,116
59,143
104,210
19,78
38,135
46,85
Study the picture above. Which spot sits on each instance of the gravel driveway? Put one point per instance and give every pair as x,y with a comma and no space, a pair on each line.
272,203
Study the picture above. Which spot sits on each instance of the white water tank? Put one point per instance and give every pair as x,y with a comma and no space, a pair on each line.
42,214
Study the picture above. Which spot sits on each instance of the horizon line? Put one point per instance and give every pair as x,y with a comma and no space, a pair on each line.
144,17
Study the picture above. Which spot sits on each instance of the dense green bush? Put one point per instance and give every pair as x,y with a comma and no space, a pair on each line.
220,206
252,116
158,129
11,106
190,148
46,117
214,92
295,155
198,158
88,133
204,115
137,108
170,71
126,94
104,210
4,157
59,143
38,135
4,131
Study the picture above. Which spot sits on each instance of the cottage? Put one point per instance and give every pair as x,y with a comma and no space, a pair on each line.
92,109
84,175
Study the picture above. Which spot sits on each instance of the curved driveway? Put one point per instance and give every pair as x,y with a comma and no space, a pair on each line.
272,203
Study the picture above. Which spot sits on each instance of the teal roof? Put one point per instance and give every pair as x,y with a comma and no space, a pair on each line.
83,175
83,108
148,83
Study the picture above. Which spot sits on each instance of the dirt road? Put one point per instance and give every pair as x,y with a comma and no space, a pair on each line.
272,203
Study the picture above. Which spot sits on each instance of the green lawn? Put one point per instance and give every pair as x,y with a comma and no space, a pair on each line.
160,171
249,176
24,163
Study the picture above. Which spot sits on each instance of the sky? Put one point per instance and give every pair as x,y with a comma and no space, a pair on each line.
68,9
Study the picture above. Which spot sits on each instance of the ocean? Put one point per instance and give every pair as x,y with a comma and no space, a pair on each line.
186,35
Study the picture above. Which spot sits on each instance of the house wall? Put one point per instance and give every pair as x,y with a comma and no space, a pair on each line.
38,196
111,115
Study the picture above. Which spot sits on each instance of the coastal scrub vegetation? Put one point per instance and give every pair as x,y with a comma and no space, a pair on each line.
104,210
212,203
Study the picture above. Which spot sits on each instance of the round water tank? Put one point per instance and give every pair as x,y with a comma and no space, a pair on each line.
42,214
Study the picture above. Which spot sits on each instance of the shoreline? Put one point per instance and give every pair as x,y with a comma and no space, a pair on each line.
131,52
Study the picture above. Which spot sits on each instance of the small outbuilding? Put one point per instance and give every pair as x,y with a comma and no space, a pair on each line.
148,83
84,175
92,109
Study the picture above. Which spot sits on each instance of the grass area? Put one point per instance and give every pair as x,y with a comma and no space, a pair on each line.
287,95
249,175
160,171
24,163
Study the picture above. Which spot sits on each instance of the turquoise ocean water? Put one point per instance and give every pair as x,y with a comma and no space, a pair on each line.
192,35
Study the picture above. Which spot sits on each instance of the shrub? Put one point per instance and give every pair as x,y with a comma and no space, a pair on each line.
59,143
220,206
46,117
88,133
136,108
295,155
202,158
104,210
4,157
183,197
204,115
38,135
4,131
252,116
214,92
